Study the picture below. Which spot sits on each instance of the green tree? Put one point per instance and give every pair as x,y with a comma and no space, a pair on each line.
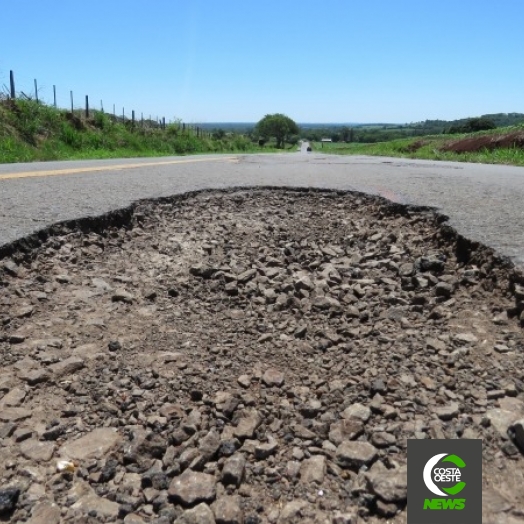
219,134
472,125
345,133
279,126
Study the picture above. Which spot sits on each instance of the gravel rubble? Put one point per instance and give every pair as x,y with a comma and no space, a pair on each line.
251,357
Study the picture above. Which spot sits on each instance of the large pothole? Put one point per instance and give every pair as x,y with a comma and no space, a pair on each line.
252,356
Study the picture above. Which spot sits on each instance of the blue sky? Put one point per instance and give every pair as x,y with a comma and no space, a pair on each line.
237,60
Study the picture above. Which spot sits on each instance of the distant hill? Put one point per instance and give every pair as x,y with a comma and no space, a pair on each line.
383,132
229,127
440,126
371,132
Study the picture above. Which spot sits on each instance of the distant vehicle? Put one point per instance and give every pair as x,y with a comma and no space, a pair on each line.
309,149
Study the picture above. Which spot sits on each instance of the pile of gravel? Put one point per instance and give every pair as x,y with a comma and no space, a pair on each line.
253,357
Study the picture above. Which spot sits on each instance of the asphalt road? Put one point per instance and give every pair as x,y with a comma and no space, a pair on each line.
484,202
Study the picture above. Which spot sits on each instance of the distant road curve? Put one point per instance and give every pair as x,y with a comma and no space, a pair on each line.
484,202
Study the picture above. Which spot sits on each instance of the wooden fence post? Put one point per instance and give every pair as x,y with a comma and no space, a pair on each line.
12,82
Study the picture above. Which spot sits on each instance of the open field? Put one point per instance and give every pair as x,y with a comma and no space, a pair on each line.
499,146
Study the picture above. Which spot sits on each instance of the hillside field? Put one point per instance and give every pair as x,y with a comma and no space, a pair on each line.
497,146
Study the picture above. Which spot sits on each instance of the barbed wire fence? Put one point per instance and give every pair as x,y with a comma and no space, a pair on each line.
10,92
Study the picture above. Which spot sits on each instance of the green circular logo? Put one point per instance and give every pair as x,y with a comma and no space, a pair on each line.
444,474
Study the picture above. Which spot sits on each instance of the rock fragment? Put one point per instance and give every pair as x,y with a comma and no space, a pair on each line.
354,454
233,470
227,510
37,451
247,425
313,470
45,512
200,514
121,295
8,500
67,367
391,485
94,444
192,487
273,377
448,412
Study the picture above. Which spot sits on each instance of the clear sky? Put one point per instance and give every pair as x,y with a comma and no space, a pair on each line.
237,60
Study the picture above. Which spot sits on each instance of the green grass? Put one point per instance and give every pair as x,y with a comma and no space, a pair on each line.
431,148
31,131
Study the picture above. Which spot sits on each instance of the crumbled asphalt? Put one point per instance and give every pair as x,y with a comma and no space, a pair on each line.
253,357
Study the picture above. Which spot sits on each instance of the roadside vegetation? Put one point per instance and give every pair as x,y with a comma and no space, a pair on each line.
32,131
494,146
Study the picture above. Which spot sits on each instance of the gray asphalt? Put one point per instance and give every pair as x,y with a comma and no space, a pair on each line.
484,202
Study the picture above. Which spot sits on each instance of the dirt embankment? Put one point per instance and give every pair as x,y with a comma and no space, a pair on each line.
489,142
471,144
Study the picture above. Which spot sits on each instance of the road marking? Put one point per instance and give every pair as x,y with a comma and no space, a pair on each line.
72,171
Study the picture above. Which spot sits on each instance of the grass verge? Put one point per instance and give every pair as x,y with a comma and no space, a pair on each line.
498,146
32,131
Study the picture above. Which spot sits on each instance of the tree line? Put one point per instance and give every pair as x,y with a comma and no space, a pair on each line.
283,130
371,133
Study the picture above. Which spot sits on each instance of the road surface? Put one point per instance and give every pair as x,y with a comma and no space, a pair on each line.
483,202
